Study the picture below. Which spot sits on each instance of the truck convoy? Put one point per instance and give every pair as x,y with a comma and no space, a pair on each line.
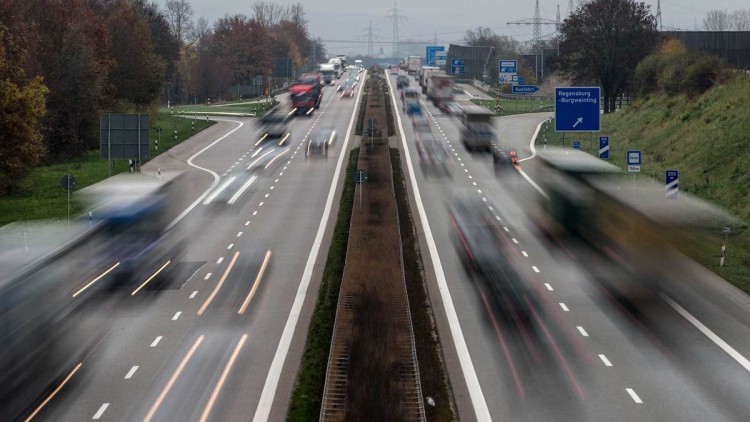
413,63
307,94
328,72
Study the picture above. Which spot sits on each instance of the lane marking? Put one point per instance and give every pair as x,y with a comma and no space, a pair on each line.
192,295
515,241
536,270
634,396
156,341
131,372
255,213
216,176
101,411
222,378
247,223
172,380
506,229
255,284
176,315
524,254
532,145
207,276
549,287
708,333
219,284
564,308
605,360
54,392
263,411
151,278
221,189
220,260
239,234
96,279
231,245
582,331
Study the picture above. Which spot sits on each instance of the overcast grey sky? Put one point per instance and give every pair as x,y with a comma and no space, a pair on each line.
446,20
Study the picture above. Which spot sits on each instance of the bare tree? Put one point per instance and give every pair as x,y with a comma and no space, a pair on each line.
269,14
296,13
180,18
740,20
716,20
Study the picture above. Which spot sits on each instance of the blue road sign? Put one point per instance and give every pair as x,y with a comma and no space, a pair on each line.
441,58
525,89
430,57
576,144
521,80
577,109
633,160
604,147
672,183
507,66
457,66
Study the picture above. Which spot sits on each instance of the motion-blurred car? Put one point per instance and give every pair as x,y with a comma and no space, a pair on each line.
432,151
348,91
394,71
420,122
274,126
402,81
321,142
504,158
458,89
450,107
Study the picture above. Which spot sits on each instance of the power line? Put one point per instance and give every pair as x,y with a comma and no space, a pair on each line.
395,14
370,36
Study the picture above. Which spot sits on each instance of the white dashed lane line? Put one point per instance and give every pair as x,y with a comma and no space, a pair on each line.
177,315
231,245
207,276
247,223
524,254
239,234
100,412
582,331
515,241
605,360
156,341
220,260
564,308
131,372
549,287
634,396
536,270
192,295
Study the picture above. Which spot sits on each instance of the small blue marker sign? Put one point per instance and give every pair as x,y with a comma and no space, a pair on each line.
576,144
672,183
604,147
634,161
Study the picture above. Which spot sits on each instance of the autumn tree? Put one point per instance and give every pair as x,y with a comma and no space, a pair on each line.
603,41
22,107
138,72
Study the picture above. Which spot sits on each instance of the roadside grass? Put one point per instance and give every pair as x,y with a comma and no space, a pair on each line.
308,391
257,108
521,106
705,138
44,197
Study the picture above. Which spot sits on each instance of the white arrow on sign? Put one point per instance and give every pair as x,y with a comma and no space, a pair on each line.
578,122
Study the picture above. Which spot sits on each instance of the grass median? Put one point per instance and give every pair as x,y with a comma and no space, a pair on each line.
43,196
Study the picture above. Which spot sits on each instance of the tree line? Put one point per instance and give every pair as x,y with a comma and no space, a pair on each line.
63,62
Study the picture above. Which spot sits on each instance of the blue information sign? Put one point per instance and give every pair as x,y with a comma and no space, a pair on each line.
507,66
521,80
576,144
430,56
577,109
525,89
672,183
604,147
633,160
457,66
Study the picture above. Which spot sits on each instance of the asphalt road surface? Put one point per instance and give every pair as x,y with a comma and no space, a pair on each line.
224,340
583,355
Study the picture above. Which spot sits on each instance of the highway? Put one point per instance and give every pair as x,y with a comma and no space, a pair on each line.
584,356
223,341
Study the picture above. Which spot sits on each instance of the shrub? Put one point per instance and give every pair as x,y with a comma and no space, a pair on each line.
702,75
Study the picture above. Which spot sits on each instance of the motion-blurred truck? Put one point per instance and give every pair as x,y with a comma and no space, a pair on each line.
477,133
413,63
328,71
440,89
307,94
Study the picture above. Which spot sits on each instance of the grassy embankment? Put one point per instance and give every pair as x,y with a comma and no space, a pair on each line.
246,107
511,107
706,139
44,196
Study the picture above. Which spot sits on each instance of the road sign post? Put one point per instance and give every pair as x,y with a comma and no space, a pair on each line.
68,183
604,147
672,184
577,109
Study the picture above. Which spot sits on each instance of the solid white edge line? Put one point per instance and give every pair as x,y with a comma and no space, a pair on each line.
216,176
263,411
472,382
708,333
101,411
634,396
